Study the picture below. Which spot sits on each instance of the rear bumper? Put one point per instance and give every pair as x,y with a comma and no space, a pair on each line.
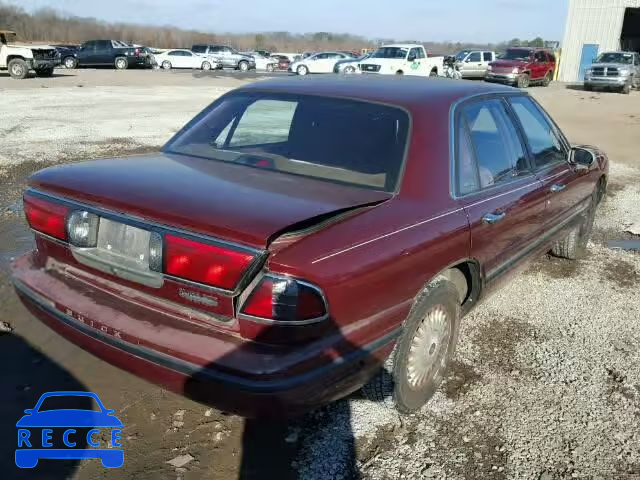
235,376
607,81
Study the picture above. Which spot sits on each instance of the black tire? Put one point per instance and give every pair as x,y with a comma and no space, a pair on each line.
166,65
18,68
205,65
524,80
302,70
439,297
433,72
626,89
547,79
243,66
121,63
44,72
588,88
574,245
399,72
70,62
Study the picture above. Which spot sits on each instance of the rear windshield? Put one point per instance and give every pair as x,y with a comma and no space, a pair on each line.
335,140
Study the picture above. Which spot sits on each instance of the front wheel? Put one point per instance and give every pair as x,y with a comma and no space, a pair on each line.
121,63
424,350
302,70
206,66
70,62
524,80
433,73
243,66
626,89
18,68
349,70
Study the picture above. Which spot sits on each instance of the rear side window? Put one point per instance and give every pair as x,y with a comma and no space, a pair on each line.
495,145
335,140
545,145
487,57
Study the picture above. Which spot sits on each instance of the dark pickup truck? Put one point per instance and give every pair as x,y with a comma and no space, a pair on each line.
110,53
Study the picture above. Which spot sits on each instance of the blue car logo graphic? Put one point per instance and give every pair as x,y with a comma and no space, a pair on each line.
36,433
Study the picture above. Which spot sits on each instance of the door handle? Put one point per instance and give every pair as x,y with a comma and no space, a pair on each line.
492,218
558,187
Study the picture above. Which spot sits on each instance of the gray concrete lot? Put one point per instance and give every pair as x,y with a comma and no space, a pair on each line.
546,382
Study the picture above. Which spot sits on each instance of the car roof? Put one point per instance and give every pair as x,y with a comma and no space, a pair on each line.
402,45
410,92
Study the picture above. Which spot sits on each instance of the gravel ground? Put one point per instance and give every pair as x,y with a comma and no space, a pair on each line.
546,381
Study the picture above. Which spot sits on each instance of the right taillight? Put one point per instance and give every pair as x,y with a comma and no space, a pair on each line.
46,216
284,299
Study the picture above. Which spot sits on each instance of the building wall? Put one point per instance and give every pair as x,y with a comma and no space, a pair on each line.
591,21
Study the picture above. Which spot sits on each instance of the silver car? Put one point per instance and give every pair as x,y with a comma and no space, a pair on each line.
227,56
474,63
616,70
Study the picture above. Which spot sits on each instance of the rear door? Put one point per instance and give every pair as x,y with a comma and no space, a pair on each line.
565,192
495,184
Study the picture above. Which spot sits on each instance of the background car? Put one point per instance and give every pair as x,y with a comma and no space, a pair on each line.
227,56
114,53
474,63
349,65
262,62
283,61
67,54
523,66
183,58
322,62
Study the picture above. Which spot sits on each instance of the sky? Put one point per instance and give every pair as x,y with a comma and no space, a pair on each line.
425,20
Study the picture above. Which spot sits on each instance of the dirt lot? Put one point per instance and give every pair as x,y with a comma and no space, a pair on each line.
546,382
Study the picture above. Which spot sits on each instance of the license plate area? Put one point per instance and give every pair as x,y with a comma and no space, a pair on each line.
121,250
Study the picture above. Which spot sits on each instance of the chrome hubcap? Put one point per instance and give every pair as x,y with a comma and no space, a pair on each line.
428,350
17,70
120,64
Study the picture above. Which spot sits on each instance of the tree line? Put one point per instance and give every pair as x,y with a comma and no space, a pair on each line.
52,27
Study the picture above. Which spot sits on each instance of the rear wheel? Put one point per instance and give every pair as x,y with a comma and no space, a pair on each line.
18,68
121,63
302,70
626,89
70,62
524,80
574,245
166,65
424,350
399,72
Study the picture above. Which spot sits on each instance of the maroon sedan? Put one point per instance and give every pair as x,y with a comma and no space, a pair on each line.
302,238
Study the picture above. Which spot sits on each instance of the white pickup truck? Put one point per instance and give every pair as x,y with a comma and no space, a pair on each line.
19,59
403,59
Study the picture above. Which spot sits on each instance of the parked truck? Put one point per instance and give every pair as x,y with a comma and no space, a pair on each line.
615,70
403,59
21,58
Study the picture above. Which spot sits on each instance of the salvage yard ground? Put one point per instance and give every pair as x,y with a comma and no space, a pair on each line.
546,382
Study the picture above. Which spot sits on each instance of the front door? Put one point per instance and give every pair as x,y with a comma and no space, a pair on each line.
86,53
566,189
472,66
496,186
589,54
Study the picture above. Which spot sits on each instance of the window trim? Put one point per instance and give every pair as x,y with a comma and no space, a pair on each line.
554,127
455,117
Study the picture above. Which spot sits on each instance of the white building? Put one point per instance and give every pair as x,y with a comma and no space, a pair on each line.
595,26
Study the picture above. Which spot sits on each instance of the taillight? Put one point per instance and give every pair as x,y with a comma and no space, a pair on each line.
46,216
284,299
213,265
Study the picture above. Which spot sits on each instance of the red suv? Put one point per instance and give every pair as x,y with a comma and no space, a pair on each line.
523,66
299,234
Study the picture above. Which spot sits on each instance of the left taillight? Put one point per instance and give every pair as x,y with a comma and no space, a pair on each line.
286,300
46,216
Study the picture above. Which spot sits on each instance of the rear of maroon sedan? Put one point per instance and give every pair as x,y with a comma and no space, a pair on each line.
174,266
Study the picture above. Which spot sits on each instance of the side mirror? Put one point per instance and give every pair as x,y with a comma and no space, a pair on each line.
411,58
582,158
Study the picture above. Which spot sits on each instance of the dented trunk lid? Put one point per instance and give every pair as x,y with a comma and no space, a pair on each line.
237,203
